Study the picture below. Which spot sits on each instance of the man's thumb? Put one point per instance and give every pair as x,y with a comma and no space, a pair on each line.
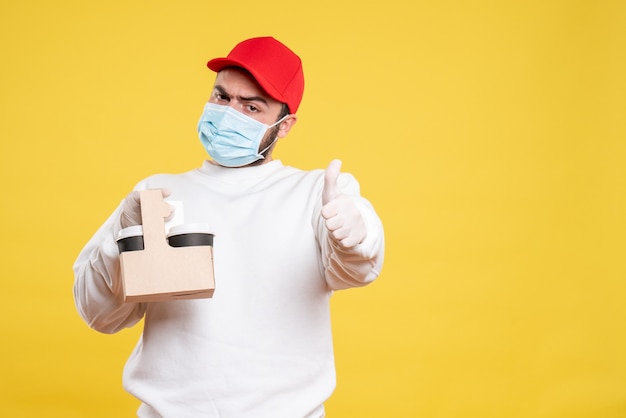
330,181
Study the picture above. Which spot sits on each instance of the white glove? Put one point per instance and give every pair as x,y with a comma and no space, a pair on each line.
131,208
343,218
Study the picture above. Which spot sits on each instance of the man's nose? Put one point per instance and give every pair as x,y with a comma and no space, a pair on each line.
235,104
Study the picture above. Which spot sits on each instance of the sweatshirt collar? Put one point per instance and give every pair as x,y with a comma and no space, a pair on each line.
240,174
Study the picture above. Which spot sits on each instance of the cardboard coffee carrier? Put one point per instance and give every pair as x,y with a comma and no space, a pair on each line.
161,271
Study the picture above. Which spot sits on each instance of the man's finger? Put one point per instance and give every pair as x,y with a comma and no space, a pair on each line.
330,181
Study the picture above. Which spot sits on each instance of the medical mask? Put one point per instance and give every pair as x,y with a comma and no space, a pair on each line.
231,138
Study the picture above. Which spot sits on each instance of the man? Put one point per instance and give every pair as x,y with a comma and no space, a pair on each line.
285,239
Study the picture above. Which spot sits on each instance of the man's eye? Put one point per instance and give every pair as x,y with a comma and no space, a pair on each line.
221,97
252,108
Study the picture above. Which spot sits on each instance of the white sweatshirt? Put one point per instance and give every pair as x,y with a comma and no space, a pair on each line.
261,347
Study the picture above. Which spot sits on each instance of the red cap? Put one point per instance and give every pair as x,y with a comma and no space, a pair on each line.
274,66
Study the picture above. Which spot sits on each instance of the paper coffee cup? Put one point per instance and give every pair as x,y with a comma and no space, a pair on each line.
130,239
187,235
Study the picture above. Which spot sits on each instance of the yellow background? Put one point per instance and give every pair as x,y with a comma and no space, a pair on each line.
490,135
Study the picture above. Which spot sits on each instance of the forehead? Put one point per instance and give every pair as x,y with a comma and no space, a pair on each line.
237,81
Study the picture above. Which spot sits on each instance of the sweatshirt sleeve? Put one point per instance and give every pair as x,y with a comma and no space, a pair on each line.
98,292
357,266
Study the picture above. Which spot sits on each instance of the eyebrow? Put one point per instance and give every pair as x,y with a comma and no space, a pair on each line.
223,91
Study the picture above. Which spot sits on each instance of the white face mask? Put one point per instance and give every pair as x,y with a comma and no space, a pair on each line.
231,138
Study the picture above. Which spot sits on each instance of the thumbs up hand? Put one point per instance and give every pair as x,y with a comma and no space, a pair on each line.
343,218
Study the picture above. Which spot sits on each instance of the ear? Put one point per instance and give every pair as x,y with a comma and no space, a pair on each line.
286,125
